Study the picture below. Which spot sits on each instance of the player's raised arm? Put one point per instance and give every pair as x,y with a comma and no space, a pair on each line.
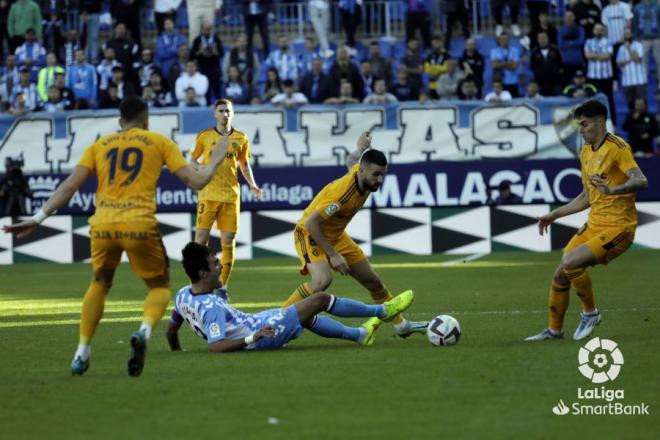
363,142
60,197
580,203
198,178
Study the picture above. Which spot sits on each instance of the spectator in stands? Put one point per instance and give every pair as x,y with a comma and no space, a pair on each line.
126,50
81,78
457,11
255,13
468,90
127,12
367,77
4,16
616,17
449,81
23,15
498,11
54,102
473,63
19,105
104,68
343,68
380,65
148,96
642,128
110,99
351,16
571,44
199,12
499,94
145,67
316,85
72,43
283,60
533,91
27,90
305,57
380,95
598,52
506,196
90,14
587,14
548,67
579,87
190,99
289,98
191,78
543,25
272,86
165,9
124,88
319,14
168,47
505,60
207,50
47,76
629,58
8,80
53,36
180,65
65,93
162,94
436,64
403,89
418,17
646,27
246,61
235,89
346,94
413,61
31,54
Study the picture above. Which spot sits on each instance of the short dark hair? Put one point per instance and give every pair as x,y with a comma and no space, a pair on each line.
223,101
590,109
195,258
288,83
373,156
133,108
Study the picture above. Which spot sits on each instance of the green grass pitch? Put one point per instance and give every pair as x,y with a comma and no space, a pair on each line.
491,385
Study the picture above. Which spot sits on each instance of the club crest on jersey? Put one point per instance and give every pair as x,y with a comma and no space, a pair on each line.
331,209
214,329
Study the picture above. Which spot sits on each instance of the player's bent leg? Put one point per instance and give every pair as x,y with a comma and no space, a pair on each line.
321,278
202,236
228,243
329,328
574,264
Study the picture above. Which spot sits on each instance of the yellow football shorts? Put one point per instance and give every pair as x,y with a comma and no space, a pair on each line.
309,252
142,242
224,214
606,243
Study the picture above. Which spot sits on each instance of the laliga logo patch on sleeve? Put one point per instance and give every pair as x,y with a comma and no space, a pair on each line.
215,330
331,209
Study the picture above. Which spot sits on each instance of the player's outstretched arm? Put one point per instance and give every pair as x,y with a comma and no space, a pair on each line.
363,142
636,182
60,197
198,178
580,203
246,171
226,345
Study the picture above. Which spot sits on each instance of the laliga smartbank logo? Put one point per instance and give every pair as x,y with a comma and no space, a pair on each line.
600,361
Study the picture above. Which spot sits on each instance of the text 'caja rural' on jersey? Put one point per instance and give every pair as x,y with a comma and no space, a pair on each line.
611,161
224,186
128,165
337,203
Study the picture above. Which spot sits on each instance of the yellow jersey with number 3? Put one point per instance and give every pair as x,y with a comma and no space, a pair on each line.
611,162
127,166
337,203
224,186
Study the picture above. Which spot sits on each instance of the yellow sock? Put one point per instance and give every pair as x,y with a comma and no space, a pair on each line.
582,283
227,261
558,303
301,292
92,311
155,304
384,295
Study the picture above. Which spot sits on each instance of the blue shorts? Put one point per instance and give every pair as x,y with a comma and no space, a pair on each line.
286,324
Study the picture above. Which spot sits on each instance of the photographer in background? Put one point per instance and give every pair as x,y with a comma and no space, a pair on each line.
14,189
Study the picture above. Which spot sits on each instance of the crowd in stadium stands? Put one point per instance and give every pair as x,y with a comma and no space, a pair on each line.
52,66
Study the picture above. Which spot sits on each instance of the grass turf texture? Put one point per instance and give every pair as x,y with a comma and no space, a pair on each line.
492,384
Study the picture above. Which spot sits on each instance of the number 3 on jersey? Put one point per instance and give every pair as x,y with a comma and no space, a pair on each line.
130,162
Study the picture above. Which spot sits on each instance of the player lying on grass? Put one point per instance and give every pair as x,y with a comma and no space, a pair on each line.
227,329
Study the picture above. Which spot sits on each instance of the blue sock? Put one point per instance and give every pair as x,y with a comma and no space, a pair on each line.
329,328
352,309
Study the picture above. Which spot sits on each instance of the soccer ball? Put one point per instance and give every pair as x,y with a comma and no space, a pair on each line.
443,330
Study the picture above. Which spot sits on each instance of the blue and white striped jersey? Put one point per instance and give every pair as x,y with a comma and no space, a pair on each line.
633,73
615,18
598,69
212,318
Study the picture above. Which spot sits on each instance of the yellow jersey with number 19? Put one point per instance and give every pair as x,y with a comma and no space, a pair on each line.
127,166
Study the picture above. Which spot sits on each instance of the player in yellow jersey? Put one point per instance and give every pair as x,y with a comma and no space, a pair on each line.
220,200
127,165
610,178
321,240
